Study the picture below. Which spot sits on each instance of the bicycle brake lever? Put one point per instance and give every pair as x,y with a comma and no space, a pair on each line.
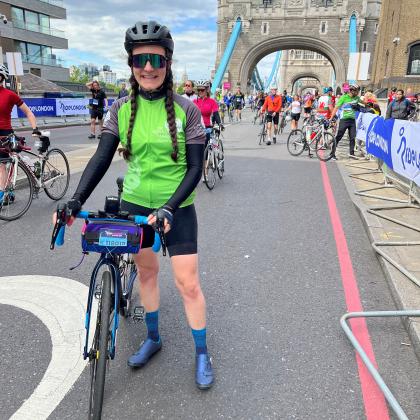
161,233
61,221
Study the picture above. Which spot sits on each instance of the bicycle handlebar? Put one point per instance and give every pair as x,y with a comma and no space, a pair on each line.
58,237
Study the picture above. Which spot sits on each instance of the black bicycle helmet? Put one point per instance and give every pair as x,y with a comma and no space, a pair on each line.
148,33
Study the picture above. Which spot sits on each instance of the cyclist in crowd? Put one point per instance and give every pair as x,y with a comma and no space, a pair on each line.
163,143
296,109
209,109
346,103
238,103
400,108
286,99
123,92
308,101
410,95
97,105
325,103
8,99
273,106
371,102
189,90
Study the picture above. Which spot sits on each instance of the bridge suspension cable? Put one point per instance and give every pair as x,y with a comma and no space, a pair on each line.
353,37
221,70
274,70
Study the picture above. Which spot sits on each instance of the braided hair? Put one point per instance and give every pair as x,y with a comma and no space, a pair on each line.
170,111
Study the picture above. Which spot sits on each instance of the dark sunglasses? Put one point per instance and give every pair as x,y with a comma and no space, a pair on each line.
157,61
201,89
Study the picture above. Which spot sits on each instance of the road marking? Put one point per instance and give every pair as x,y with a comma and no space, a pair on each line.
374,400
60,304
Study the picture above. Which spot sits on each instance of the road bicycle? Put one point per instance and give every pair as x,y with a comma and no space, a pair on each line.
263,132
28,173
283,121
116,236
214,158
314,138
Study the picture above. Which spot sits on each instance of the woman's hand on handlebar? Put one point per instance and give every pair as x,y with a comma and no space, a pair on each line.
71,208
161,217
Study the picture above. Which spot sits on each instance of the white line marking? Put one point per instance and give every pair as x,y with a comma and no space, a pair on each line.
60,304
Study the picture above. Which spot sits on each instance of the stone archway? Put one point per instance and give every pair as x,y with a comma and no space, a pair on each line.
287,42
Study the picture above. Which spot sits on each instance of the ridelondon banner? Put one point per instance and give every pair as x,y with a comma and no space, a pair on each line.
396,142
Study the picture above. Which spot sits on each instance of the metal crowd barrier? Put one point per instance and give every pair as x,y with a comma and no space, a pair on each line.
390,180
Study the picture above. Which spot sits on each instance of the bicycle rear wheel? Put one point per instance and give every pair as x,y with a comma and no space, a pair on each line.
324,147
220,160
209,169
296,142
55,174
17,194
262,135
98,354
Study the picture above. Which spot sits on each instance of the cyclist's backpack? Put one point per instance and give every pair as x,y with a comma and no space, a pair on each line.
116,236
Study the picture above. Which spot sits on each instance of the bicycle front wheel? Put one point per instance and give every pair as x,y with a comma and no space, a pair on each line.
209,169
98,354
262,135
18,192
220,160
296,142
55,174
324,147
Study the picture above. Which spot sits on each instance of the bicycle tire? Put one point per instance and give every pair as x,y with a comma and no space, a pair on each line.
220,160
100,348
262,135
128,277
295,144
24,179
49,190
209,168
324,147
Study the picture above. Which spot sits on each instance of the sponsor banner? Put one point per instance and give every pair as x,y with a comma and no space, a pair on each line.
41,107
70,106
378,139
363,122
406,150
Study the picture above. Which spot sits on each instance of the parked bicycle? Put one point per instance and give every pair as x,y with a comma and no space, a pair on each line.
27,173
214,159
314,138
116,236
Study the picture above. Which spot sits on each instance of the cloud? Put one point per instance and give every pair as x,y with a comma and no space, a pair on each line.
97,32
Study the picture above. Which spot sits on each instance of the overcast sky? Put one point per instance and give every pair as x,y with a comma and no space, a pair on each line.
96,29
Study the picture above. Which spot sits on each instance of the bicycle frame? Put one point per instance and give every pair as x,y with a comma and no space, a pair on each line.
104,260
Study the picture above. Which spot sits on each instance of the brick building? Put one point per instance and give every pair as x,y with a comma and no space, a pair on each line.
397,53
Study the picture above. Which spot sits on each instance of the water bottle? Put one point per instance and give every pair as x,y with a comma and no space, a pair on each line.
37,169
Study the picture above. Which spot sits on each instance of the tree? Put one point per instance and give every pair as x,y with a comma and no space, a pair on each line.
77,76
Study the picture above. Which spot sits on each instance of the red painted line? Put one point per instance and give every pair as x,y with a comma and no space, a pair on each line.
374,400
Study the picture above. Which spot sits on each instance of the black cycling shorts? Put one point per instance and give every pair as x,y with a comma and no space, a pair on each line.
307,110
238,106
295,117
181,239
96,113
274,119
4,133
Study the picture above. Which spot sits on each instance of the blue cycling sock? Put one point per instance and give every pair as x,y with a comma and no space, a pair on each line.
1,195
200,340
152,324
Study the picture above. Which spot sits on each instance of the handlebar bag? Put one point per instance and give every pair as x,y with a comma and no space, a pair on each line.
111,236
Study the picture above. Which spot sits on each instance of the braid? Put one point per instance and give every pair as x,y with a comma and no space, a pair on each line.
126,151
170,110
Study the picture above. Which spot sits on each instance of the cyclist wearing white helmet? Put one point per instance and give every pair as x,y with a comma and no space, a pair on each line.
8,99
347,103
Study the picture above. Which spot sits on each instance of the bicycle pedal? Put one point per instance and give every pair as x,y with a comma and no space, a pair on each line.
98,291
138,314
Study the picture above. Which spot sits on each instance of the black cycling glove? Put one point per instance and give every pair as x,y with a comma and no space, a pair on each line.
36,132
162,213
73,206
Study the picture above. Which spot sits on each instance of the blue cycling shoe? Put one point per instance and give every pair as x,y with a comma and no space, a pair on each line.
204,376
147,349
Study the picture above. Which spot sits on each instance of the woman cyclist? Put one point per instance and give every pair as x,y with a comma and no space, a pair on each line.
163,142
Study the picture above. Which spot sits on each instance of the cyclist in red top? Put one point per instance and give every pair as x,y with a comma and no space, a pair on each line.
273,106
8,99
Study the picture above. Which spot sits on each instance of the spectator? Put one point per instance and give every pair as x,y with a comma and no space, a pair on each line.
410,95
400,108
97,105
123,92
392,95
371,101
